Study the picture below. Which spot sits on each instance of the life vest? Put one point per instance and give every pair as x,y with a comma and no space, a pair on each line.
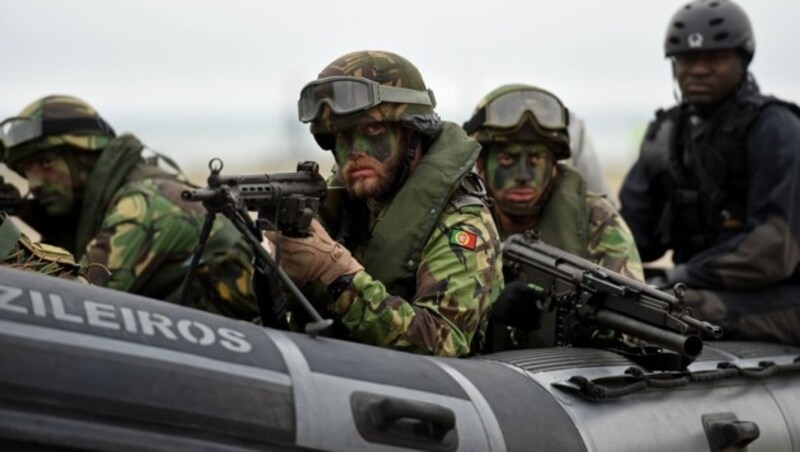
564,220
392,250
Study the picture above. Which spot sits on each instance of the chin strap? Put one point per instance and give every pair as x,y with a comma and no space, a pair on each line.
405,164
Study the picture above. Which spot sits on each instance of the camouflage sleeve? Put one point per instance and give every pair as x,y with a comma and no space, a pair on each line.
611,243
459,277
141,230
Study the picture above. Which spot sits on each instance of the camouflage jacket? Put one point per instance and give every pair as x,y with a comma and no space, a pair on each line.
586,224
444,301
611,243
138,226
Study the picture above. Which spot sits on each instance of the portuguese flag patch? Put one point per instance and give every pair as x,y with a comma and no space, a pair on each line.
463,239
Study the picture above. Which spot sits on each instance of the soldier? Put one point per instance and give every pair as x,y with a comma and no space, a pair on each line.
420,265
716,181
97,197
17,250
523,131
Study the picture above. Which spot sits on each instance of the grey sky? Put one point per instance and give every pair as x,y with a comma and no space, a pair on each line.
197,79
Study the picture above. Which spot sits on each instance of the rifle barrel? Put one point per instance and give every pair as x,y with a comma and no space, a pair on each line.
687,345
200,194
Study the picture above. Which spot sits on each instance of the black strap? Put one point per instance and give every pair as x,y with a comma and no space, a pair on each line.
339,285
475,122
72,125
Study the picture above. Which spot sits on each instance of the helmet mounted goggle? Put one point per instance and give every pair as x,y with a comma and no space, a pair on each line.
345,95
21,129
508,110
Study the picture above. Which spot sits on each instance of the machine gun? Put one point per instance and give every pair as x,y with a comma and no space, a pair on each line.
586,296
286,202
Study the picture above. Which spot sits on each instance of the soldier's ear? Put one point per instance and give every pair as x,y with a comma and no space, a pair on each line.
480,166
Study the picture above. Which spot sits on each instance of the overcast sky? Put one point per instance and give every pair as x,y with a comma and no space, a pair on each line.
198,78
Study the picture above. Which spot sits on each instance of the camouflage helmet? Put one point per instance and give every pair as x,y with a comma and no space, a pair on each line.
56,121
383,68
518,112
703,25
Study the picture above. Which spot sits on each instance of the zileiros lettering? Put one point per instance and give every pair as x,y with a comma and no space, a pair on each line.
111,317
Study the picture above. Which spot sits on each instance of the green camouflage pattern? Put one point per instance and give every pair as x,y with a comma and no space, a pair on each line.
147,238
385,68
455,287
58,107
523,133
611,244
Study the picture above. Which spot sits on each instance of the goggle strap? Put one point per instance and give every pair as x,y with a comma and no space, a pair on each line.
71,125
398,95
475,122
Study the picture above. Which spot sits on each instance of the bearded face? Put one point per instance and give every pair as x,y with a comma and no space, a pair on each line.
51,181
369,157
517,174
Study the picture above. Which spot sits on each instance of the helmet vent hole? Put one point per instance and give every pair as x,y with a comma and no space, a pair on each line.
713,4
679,25
715,22
689,6
674,41
721,36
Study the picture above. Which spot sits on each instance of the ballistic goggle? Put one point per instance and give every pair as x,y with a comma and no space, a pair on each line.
17,130
344,95
507,110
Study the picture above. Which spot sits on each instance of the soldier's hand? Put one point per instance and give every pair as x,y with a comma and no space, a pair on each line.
314,258
519,306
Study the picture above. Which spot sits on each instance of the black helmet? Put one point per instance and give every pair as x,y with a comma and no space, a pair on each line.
710,25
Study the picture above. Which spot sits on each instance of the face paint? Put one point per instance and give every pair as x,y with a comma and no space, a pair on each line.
517,174
377,140
50,180
369,158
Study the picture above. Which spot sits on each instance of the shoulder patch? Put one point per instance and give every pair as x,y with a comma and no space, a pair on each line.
463,239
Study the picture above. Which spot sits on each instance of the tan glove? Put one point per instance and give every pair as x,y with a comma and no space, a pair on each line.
314,258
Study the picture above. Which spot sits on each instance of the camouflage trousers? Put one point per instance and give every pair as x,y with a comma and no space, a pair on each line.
769,314
223,286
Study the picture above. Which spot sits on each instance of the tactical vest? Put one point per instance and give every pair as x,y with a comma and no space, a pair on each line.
393,248
565,217
707,199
